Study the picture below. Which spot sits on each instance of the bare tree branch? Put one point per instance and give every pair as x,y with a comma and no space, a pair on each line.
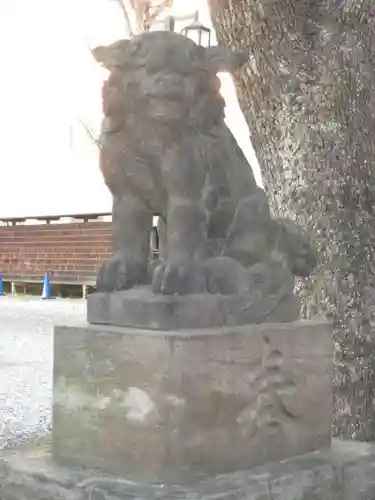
90,133
152,10
145,12
124,10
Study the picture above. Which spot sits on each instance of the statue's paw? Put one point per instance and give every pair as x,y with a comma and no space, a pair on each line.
271,277
226,276
180,278
119,273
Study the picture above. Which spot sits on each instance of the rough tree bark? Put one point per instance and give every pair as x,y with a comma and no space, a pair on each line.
309,98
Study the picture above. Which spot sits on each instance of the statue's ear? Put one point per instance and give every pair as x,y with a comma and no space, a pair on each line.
113,55
220,59
100,54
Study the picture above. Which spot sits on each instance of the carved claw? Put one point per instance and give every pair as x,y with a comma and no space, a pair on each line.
119,273
179,278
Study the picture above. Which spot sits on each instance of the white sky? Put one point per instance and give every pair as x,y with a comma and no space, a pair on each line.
48,82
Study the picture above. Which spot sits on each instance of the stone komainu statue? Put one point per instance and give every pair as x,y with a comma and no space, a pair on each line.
165,149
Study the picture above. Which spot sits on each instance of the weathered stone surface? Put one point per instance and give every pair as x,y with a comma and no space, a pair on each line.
140,308
165,149
346,472
173,405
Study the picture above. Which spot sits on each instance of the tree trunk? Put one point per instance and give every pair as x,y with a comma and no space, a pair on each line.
308,96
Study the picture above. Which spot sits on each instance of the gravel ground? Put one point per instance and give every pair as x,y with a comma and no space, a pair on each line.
26,334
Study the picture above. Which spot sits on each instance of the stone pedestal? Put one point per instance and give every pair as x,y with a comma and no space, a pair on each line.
172,405
347,471
140,308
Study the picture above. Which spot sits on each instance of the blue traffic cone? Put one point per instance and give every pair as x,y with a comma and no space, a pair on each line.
46,294
1,286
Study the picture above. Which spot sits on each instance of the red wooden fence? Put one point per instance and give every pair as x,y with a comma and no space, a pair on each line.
71,252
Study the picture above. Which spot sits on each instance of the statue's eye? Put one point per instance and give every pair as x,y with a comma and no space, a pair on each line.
134,48
158,81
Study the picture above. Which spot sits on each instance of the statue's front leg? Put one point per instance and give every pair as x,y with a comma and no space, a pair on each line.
131,225
182,271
